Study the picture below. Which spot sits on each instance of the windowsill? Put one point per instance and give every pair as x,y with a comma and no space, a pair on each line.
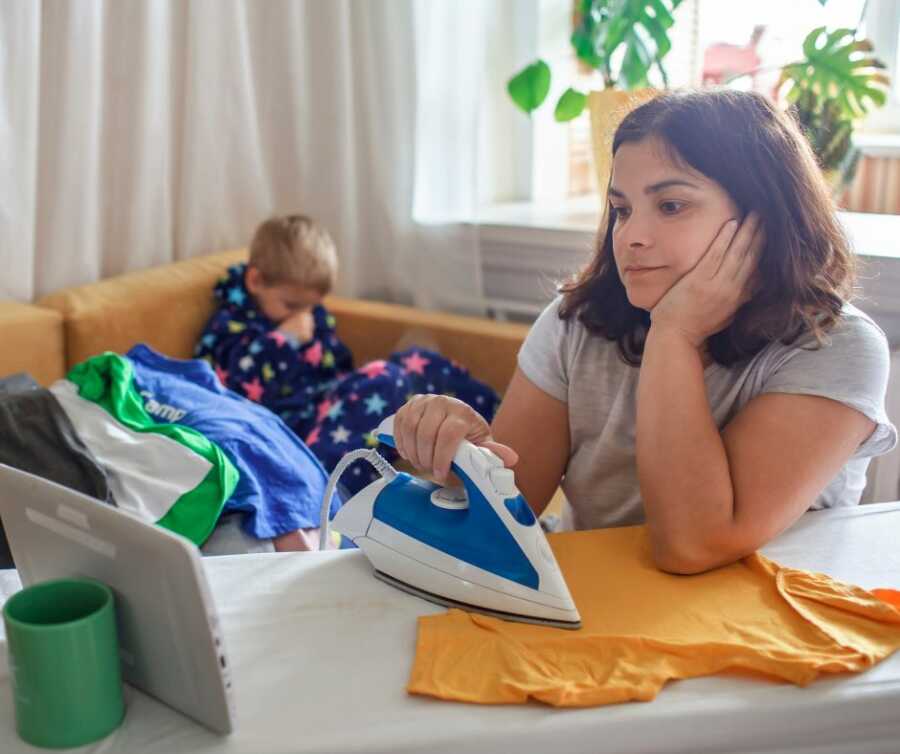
573,222
579,214
878,144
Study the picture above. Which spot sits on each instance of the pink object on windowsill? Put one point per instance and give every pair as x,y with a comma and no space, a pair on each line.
722,61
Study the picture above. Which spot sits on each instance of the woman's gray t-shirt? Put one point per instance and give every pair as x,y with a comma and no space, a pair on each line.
585,371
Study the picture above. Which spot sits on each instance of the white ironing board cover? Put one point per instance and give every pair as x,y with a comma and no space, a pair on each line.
321,652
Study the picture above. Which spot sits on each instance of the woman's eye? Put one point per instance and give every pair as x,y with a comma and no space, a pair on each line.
621,212
671,208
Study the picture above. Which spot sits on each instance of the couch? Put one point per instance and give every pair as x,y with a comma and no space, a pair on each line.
166,307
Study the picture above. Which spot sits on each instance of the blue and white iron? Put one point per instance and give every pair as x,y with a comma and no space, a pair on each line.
478,548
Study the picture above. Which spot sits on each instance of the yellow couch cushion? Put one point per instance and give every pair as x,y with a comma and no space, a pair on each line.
165,307
487,348
32,342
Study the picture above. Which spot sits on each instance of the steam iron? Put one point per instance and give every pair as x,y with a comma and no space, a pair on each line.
478,548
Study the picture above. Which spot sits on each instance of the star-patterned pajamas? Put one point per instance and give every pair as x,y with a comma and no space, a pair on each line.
255,359
312,385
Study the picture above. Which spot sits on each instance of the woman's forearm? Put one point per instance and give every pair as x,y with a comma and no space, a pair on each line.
682,465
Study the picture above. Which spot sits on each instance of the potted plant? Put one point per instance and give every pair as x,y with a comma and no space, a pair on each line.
622,41
831,88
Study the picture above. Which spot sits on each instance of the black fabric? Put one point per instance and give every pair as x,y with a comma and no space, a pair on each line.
36,436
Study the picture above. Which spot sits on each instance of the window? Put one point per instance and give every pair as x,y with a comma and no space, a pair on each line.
712,42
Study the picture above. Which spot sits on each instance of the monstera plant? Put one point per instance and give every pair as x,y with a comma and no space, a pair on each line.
623,40
831,88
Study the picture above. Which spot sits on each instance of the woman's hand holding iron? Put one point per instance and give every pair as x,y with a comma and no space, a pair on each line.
429,429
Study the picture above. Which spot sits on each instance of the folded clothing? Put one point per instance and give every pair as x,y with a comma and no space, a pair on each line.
642,627
171,475
281,484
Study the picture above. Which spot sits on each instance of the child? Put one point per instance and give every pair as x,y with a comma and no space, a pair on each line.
705,372
273,342
271,339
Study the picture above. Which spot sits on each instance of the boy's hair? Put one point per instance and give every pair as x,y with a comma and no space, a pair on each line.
294,249
761,158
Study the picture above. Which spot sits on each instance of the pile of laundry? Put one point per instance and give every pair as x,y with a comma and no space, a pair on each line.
163,439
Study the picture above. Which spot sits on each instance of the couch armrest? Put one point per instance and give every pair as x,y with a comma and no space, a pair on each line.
486,347
32,340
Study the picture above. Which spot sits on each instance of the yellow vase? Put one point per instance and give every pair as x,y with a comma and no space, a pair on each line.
608,107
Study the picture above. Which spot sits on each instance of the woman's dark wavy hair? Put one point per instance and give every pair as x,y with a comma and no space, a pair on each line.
760,157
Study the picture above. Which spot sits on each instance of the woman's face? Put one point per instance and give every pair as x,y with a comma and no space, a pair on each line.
666,218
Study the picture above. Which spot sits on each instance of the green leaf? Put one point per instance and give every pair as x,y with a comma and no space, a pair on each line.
584,48
570,105
636,63
529,87
589,37
618,26
837,68
661,13
642,26
658,33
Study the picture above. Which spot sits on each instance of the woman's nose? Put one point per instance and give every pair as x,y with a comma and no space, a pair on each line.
638,233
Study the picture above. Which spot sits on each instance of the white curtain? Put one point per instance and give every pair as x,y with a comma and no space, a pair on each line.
19,84
136,132
448,135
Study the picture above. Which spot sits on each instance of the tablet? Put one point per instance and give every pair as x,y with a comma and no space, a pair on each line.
170,644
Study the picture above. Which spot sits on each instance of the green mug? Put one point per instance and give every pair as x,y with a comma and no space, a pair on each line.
64,662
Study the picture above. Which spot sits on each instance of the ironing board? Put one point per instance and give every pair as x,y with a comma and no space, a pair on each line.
321,651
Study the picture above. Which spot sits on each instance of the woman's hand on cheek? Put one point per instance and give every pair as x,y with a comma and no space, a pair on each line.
706,298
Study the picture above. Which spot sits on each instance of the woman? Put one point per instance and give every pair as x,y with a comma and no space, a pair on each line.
705,372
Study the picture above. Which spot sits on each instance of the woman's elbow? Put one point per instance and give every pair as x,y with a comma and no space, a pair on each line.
679,565
691,560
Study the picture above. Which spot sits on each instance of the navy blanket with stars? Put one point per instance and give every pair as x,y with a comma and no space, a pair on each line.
313,386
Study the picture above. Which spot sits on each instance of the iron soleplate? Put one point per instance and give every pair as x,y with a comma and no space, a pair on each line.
447,602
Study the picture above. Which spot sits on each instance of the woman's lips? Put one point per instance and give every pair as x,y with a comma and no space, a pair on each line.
640,271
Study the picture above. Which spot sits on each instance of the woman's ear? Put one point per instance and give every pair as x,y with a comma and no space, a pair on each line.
253,280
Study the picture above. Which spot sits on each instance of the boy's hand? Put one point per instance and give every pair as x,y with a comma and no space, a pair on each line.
301,325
